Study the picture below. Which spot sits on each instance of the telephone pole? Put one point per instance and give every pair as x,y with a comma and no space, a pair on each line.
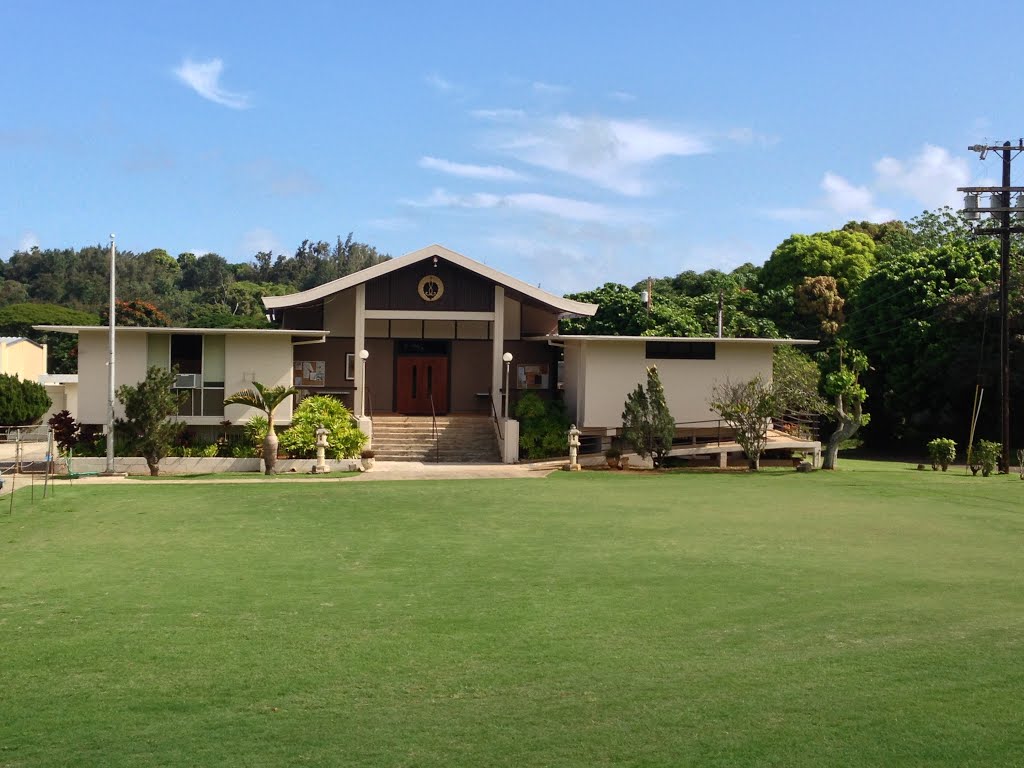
999,210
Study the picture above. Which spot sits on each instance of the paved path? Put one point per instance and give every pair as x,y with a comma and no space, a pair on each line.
384,470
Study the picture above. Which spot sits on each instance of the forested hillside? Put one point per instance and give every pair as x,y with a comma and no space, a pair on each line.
919,298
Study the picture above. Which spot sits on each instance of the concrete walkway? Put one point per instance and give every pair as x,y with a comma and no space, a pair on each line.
384,470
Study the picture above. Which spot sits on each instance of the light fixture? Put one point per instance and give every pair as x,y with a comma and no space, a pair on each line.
363,355
507,359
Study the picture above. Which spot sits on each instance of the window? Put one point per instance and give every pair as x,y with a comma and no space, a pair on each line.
680,350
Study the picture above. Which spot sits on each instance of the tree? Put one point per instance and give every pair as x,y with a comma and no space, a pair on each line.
621,312
21,402
844,385
148,408
818,299
746,406
543,426
647,424
344,439
846,256
136,313
266,399
796,379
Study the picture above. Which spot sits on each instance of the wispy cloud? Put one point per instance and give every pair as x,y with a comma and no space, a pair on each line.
560,207
268,176
28,241
498,115
468,171
203,77
439,83
623,96
613,154
548,89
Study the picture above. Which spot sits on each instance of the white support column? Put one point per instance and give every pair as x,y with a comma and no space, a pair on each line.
360,344
498,348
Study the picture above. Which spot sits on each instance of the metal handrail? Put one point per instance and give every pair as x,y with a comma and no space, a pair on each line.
433,427
497,424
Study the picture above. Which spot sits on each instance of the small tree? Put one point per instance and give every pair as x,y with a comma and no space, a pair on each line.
148,408
647,425
844,385
21,401
344,439
747,406
266,399
65,430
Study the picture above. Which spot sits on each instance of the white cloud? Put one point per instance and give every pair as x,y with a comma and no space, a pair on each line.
852,201
624,96
260,239
439,83
548,88
204,78
28,241
612,154
467,171
560,207
931,177
498,115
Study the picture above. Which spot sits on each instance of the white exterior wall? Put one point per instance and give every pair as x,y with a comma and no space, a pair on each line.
129,368
255,357
609,371
247,357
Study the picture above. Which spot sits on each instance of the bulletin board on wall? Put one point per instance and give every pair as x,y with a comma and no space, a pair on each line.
533,376
310,373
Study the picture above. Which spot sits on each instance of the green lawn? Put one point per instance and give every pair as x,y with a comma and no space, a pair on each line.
872,616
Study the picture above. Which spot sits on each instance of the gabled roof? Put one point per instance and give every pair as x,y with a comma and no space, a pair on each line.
385,267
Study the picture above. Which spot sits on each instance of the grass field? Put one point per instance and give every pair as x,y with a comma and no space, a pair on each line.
872,616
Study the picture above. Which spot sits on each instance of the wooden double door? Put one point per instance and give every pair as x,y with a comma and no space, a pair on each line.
421,384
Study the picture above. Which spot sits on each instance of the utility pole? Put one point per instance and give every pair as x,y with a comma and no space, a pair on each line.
1000,209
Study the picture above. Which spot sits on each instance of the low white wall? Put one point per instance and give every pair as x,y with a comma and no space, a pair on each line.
136,465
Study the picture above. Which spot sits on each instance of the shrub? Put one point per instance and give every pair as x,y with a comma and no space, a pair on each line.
985,456
543,427
344,439
21,402
942,451
65,430
255,430
243,451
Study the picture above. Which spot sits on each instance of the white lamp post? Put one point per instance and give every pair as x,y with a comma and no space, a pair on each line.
110,358
363,355
507,358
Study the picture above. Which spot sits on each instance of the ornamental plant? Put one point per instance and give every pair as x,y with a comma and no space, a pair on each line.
344,439
942,451
985,456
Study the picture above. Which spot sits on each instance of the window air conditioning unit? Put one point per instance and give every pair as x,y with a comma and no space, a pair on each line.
187,381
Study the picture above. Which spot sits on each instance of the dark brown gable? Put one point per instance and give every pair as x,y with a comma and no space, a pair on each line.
460,290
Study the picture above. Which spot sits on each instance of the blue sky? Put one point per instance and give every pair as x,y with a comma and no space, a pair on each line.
567,143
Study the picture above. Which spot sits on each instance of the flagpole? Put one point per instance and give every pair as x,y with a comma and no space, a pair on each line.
110,361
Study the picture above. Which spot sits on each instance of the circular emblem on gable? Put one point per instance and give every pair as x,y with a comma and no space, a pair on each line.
431,288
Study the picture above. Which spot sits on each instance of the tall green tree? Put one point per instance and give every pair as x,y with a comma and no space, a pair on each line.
149,408
21,402
846,256
647,424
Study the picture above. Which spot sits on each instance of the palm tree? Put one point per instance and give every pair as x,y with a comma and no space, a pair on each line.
266,399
